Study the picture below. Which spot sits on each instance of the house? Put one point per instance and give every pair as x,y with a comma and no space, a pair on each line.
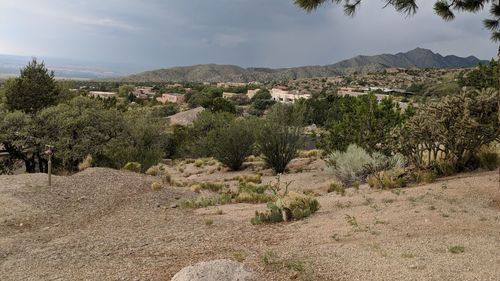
185,118
171,97
143,92
283,95
228,95
230,84
104,95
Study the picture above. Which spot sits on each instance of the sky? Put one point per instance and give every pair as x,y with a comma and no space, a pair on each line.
262,33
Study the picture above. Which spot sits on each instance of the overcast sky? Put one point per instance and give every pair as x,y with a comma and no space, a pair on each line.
270,33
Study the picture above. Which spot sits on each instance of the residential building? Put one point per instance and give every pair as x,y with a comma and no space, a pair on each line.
171,97
228,95
283,95
143,92
230,84
103,95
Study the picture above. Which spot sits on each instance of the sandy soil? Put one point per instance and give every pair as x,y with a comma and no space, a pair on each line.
103,224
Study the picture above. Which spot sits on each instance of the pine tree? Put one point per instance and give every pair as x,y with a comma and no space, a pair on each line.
33,90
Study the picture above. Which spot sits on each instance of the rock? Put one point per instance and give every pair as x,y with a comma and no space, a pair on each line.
216,270
173,206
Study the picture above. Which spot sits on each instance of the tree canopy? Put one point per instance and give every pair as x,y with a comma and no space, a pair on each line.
446,9
33,90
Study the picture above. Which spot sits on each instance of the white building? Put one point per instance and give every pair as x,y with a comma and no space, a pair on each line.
283,95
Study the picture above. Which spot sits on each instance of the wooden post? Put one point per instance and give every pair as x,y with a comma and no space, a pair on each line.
49,152
49,169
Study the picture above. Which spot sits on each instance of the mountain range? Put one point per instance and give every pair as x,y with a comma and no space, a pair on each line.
417,58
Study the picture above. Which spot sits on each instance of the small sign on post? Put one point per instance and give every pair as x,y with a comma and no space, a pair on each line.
49,152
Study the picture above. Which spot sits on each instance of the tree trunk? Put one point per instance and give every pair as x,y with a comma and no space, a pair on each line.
498,73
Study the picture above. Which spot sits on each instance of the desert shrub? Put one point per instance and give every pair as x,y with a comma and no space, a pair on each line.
452,130
314,153
293,206
286,205
444,168
280,136
86,163
214,187
253,193
424,176
488,159
198,163
206,201
233,143
355,164
166,179
394,178
133,167
249,178
156,170
156,186
337,188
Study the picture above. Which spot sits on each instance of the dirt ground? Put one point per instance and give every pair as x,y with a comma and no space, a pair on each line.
103,224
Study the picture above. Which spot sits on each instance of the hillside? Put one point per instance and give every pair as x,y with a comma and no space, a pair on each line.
417,58
103,224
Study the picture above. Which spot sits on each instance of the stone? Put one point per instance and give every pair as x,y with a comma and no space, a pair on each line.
216,270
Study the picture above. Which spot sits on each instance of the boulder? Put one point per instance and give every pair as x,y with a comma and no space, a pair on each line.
216,270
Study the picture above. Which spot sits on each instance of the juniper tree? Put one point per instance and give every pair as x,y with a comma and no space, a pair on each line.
446,9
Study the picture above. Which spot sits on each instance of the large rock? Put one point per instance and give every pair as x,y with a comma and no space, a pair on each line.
216,270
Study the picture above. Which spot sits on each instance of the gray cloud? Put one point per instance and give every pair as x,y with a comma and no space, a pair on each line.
162,33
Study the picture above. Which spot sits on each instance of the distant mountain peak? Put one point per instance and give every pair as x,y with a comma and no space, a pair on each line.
416,58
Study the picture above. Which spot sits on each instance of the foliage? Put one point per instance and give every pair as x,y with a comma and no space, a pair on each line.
355,164
280,136
360,120
337,188
133,167
286,206
424,176
33,90
125,90
452,130
292,206
197,140
141,140
484,76
222,105
17,135
488,159
444,9
156,186
77,129
262,94
233,142
388,179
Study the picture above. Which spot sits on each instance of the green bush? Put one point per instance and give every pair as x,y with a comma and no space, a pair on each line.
233,143
488,160
423,176
133,167
280,136
452,130
387,179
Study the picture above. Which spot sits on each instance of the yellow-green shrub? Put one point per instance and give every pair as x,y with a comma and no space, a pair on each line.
133,167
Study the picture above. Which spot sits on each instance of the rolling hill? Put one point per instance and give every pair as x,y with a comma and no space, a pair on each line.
417,58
